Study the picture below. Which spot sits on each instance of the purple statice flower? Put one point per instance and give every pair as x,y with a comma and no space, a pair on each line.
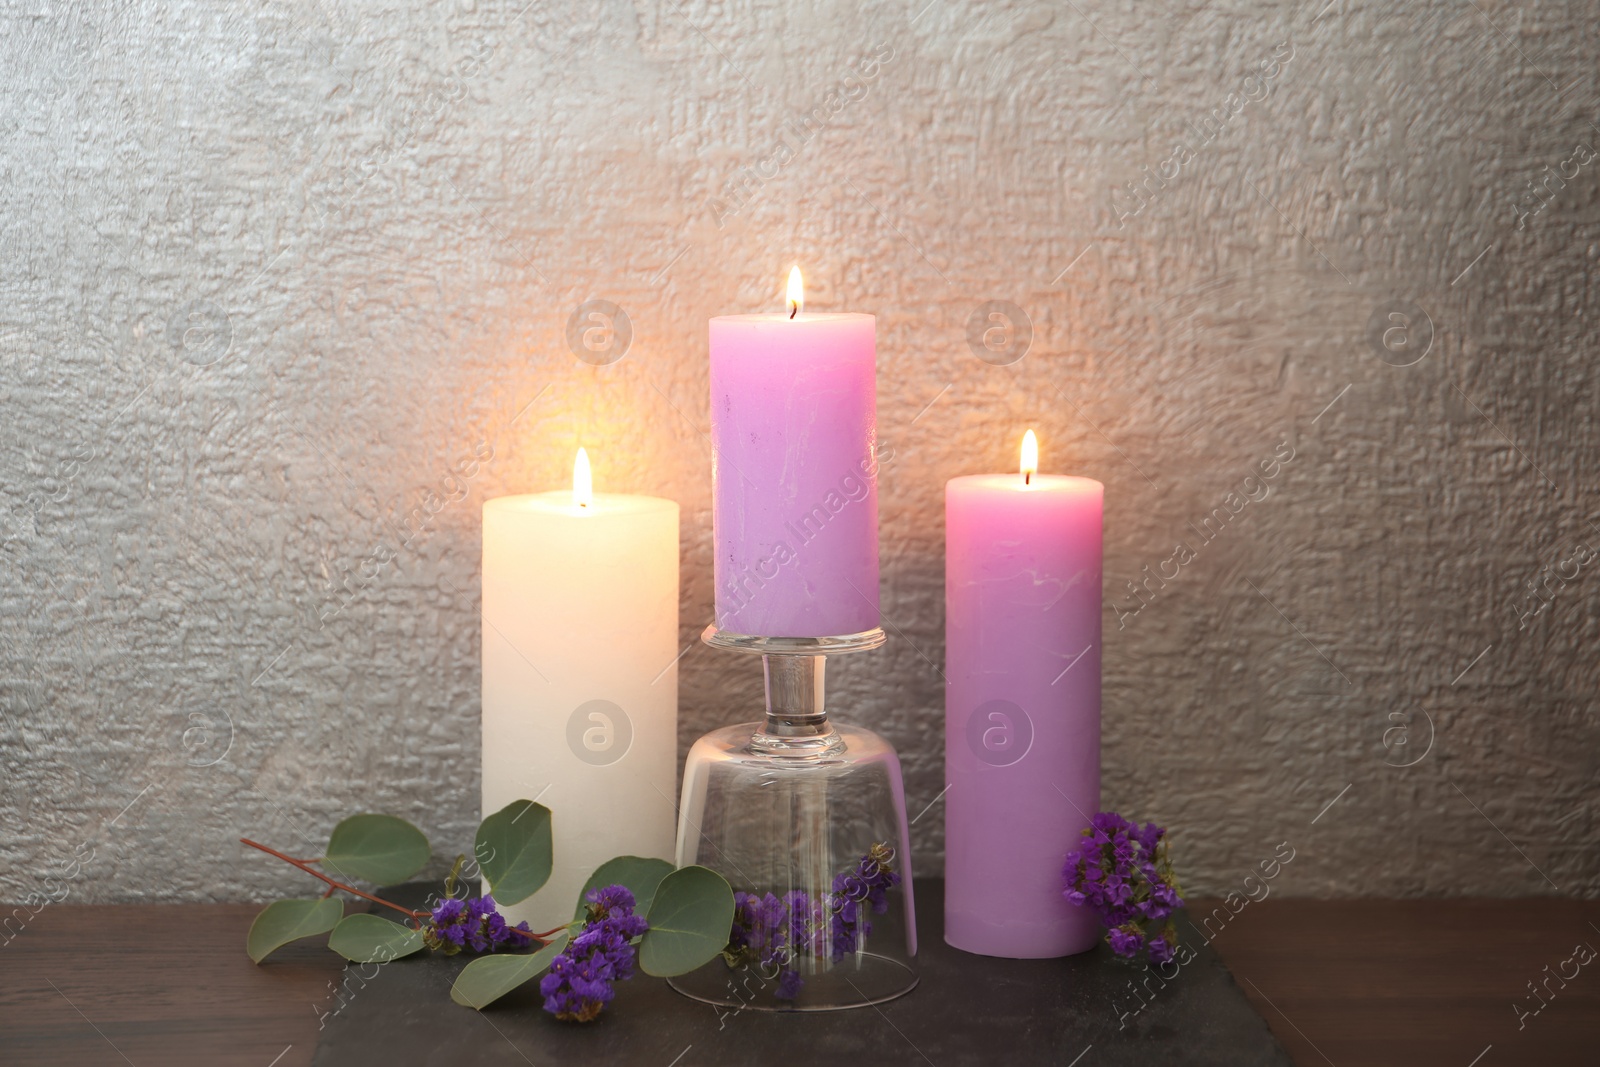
448,924
802,922
789,983
582,979
474,923
1123,872
1162,945
766,931
1125,940
866,886
743,933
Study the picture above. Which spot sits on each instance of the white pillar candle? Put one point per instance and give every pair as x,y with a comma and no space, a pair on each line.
580,680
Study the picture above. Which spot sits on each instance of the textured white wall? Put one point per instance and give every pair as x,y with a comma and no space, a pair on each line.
280,283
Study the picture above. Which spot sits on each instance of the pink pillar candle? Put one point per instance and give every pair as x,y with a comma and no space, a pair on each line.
1022,708
793,429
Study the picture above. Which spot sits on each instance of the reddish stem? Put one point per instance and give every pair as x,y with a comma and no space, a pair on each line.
546,936
305,865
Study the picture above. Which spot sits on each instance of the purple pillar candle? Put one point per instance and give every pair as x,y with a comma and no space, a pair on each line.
795,488
1022,706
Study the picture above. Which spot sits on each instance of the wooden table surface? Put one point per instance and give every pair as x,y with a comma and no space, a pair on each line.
1347,983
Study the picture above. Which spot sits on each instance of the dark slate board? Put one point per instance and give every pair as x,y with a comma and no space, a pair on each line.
967,1010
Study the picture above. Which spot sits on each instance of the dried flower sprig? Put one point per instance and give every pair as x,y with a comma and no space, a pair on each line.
582,979
1123,872
475,923
773,932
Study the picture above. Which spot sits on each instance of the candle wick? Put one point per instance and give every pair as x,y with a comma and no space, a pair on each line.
1027,477
793,308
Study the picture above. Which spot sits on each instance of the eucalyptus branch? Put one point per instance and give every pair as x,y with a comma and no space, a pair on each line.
305,865
516,861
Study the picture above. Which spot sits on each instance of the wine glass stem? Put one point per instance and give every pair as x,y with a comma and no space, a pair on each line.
795,693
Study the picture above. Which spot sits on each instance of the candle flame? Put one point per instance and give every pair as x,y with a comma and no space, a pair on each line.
1030,457
582,481
797,292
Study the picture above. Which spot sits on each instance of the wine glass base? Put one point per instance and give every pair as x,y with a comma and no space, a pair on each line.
859,982
793,646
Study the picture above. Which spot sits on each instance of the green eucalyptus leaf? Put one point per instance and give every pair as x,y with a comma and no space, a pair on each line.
381,849
365,938
284,921
689,922
514,850
487,979
640,875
